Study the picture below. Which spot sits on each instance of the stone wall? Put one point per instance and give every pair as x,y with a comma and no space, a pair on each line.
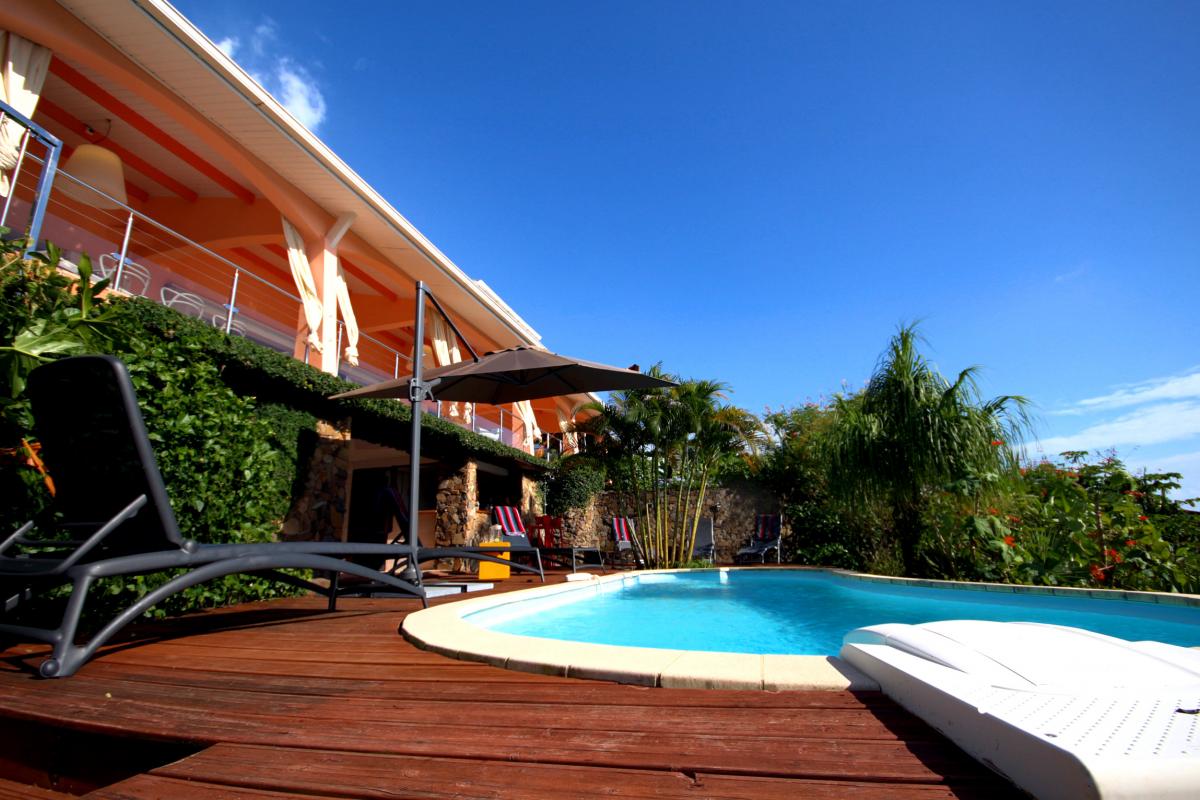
734,524
319,513
457,502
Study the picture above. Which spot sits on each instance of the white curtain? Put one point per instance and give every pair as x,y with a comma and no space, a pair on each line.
533,433
446,352
302,274
570,438
351,322
24,72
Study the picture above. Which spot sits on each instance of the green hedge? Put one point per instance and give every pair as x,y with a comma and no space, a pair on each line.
233,424
572,483
272,377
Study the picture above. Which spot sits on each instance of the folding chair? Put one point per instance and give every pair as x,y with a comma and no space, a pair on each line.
767,535
512,529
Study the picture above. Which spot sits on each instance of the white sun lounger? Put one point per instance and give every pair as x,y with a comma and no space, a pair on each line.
1061,712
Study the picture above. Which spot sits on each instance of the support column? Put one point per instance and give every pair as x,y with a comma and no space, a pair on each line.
325,267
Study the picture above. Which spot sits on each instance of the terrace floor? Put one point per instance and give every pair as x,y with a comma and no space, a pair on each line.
280,699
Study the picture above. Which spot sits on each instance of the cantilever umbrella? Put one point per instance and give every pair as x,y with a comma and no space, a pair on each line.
513,375
504,376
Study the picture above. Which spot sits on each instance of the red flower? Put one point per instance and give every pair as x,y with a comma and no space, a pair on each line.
1097,573
1144,518
997,442
1114,555
1010,540
995,512
1130,543
1014,520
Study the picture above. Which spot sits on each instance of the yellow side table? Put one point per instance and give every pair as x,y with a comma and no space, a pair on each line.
491,571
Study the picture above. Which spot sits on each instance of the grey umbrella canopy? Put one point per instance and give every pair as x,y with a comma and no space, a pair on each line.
505,376
519,373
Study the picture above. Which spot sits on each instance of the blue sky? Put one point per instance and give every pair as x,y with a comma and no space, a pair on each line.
761,192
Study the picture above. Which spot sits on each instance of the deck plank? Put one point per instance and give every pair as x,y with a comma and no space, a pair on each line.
282,700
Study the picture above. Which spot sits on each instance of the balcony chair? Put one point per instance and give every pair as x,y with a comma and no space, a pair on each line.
628,549
111,517
767,535
512,530
186,303
135,278
235,327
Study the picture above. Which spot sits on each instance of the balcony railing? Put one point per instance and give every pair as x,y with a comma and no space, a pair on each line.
144,257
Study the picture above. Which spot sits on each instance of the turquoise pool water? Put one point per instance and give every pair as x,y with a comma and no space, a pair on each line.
803,613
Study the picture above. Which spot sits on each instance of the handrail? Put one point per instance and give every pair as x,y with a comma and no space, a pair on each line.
239,272
41,195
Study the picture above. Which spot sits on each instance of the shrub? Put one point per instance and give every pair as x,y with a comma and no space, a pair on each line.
572,483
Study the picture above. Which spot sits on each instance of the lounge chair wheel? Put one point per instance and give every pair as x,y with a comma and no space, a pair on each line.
49,668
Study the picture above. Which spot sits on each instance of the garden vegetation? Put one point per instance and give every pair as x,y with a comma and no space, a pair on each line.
233,424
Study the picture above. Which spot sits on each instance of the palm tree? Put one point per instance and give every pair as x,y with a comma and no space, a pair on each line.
664,445
911,431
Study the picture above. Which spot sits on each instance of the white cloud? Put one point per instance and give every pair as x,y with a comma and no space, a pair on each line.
264,36
229,45
300,95
1070,276
265,61
1165,422
1174,387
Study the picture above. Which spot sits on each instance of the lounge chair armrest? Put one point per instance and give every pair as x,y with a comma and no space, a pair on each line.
92,541
16,536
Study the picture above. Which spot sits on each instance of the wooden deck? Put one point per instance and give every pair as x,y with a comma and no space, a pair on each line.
282,700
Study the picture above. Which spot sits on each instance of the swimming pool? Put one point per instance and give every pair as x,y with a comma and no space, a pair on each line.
783,613
794,612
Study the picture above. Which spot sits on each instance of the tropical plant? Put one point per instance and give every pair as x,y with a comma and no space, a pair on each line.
662,447
911,432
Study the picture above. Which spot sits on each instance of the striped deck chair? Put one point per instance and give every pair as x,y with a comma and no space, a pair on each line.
767,534
625,539
512,530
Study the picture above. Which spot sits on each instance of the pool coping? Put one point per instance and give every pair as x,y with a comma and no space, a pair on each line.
442,629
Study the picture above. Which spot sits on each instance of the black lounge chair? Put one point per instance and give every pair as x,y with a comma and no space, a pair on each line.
512,530
705,547
115,519
767,535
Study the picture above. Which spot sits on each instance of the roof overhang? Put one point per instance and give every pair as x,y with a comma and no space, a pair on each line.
166,45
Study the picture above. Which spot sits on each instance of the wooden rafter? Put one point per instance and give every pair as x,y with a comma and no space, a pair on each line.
252,259
93,91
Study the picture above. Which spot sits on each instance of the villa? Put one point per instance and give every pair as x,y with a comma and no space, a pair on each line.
128,137
188,184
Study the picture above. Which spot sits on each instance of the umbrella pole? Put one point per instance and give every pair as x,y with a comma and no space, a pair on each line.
416,396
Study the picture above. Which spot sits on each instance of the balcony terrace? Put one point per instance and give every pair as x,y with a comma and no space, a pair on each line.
245,288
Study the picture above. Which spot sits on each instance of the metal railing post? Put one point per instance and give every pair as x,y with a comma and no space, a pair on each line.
124,251
232,307
396,369
41,194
